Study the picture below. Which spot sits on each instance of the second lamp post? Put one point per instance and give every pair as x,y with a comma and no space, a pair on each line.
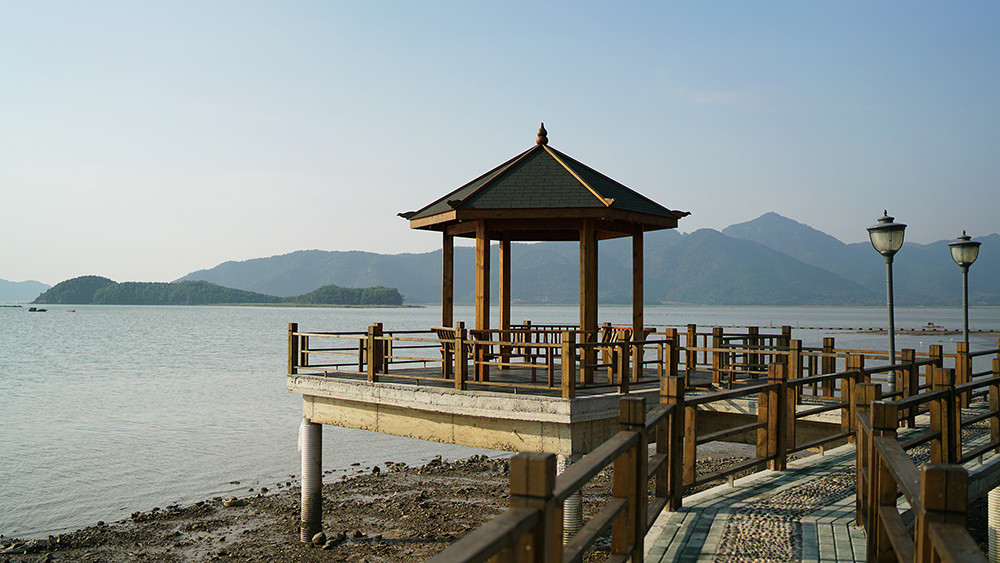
887,238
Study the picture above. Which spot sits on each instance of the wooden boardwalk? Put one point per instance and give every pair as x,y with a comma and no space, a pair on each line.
804,513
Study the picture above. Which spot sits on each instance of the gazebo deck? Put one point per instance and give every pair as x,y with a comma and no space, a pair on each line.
518,380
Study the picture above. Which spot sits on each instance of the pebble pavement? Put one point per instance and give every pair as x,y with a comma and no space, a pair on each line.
805,513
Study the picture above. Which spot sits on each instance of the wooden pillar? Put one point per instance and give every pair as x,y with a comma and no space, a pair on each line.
638,325
532,480
447,279
482,277
630,481
672,393
588,294
504,288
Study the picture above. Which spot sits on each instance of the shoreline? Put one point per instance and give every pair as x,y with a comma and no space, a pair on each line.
386,512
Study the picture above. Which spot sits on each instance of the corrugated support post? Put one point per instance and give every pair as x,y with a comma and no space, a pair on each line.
994,397
672,393
532,480
311,444
993,518
572,510
293,348
568,365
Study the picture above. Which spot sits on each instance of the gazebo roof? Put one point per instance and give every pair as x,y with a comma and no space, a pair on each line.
542,183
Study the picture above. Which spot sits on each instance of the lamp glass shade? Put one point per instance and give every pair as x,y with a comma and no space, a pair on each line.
964,251
886,236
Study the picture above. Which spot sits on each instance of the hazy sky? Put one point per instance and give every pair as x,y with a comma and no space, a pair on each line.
143,141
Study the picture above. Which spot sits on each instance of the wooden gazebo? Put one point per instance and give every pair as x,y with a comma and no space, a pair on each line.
541,195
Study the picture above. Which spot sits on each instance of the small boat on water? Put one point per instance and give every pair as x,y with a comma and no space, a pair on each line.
37,310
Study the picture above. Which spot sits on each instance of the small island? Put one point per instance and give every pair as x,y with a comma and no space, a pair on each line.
97,290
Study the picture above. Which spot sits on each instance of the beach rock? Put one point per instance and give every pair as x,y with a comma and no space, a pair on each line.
319,538
233,502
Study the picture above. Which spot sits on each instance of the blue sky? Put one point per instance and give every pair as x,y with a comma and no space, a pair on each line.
142,141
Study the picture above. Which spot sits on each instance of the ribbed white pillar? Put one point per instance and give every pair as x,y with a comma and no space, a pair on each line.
993,518
573,505
311,445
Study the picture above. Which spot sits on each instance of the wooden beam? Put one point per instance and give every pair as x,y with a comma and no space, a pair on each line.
588,292
482,277
447,280
638,324
504,298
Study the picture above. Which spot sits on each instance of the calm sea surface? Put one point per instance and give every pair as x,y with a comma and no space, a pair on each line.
112,409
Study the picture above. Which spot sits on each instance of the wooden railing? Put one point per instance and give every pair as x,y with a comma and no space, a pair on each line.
556,361
938,493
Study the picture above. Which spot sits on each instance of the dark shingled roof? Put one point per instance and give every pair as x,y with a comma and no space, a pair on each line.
543,178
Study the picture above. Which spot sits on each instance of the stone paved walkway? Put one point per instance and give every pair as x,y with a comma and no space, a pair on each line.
805,513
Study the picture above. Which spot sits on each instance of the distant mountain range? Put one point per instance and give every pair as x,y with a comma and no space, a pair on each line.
21,291
771,260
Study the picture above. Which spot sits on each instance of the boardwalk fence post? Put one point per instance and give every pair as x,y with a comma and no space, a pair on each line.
963,371
910,384
669,354
943,498
532,481
718,356
795,366
828,364
568,364
461,361
753,357
632,418
621,365
855,376
785,341
777,445
690,355
374,351
672,393
864,395
945,418
882,487
293,348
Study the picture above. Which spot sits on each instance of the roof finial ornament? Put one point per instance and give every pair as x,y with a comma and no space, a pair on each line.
542,139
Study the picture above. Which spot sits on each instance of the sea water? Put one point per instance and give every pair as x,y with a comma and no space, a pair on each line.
107,410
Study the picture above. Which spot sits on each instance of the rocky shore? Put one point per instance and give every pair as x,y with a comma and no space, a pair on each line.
390,512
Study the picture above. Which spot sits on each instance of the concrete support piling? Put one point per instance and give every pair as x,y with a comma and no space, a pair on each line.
311,445
573,505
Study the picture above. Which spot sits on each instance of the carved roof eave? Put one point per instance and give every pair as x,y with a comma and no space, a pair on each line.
542,220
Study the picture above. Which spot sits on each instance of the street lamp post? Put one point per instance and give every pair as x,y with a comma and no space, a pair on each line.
964,252
887,238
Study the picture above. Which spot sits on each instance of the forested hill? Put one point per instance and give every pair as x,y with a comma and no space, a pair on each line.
98,290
